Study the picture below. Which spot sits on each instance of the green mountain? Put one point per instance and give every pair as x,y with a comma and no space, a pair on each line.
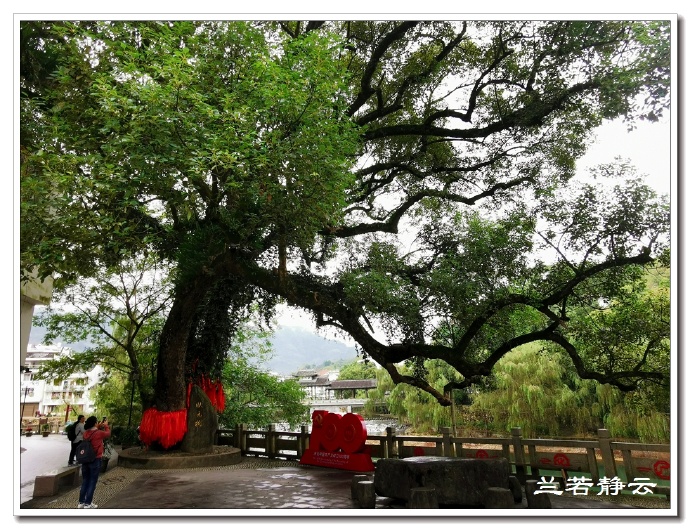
293,349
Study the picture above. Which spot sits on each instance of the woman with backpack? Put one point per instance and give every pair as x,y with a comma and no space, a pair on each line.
75,438
94,433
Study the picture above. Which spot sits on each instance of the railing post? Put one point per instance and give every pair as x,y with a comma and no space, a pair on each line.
302,441
271,441
447,444
390,450
518,454
236,436
243,438
607,453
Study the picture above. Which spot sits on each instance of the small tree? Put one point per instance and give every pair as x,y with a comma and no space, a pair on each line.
253,396
120,312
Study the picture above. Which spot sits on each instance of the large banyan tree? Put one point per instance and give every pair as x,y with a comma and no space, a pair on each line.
406,182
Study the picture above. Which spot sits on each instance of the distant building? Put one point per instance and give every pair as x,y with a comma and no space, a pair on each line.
345,388
315,383
51,397
322,386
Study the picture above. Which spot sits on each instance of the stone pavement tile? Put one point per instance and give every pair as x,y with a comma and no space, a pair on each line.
296,488
268,488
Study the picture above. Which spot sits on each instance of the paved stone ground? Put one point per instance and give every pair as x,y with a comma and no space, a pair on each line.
254,483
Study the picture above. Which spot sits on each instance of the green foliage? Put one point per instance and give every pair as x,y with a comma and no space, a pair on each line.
228,135
331,364
257,398
357,370
125,436
529,389
388,176
634,416
412,407
536,388
113,400
252,396
120,313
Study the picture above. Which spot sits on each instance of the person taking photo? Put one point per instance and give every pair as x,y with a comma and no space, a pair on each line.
95,433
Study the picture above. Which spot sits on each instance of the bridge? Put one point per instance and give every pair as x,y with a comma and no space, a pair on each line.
335,405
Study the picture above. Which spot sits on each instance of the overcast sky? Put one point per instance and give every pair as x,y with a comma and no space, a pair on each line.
648,147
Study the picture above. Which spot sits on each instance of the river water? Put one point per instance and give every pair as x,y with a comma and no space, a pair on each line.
373,426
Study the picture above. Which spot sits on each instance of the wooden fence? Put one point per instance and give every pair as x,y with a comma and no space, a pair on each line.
529,458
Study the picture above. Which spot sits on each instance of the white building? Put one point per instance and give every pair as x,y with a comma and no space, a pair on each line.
315,383
51,397
323,391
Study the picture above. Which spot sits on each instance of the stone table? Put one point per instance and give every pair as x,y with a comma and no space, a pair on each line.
457,481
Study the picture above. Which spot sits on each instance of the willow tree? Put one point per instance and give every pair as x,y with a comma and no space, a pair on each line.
383,175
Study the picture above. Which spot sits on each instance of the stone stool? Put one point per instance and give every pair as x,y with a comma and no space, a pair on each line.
423,498
499,498
366,494
536,501
353,486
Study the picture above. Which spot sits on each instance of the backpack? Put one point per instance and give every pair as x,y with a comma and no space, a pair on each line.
70,430
85,452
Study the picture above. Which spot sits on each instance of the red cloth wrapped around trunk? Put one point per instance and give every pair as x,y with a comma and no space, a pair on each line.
164,427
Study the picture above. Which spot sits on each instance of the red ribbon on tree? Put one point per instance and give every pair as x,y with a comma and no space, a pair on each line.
167,428
210,390
213,390
220,396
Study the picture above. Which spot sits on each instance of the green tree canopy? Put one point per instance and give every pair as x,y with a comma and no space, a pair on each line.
384,175
357,370
536,388
120,312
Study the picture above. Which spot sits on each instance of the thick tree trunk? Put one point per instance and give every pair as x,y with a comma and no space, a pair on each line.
170,382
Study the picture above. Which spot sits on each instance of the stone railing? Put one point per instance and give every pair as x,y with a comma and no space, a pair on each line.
529,458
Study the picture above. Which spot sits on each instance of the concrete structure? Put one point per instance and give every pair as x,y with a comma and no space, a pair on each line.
141,458
455,481
31,293
335,405
50,396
